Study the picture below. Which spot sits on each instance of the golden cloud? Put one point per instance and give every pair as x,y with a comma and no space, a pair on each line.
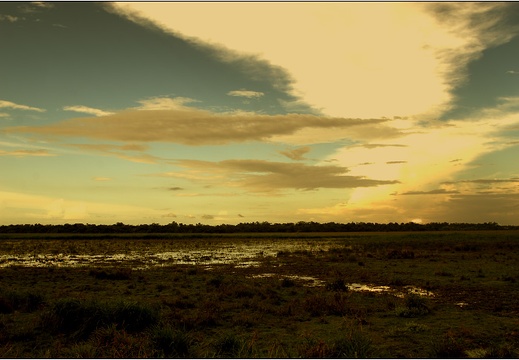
119,151
190,126
23,153
267,176
296,154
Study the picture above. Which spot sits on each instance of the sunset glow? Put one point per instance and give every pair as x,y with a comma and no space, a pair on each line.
240,112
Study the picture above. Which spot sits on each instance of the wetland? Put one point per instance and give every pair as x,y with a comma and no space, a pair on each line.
372,294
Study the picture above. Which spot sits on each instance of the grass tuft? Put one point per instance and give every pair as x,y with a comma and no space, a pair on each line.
80,318
355,344
229,345
447,347
171,342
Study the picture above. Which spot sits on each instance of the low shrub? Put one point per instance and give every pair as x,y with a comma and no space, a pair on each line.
397,281
72,316
111,274
192,271
336,305
314,349
400,254
215,282
415,306
415,301
115,343
315,305
83,350
443,273
11,301
507,277
354,344
467,247
337,285
208,314
287,283
501,351
133,316
415,327
241,291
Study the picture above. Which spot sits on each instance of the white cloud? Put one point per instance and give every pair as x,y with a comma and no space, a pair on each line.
246,93
343,57
12,105
87,110
165,103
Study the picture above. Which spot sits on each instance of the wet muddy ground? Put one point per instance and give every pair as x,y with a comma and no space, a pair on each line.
150,254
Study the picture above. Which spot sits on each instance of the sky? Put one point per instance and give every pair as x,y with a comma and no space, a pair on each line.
221,113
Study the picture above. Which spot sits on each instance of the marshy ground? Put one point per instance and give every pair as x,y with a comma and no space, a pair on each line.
414,294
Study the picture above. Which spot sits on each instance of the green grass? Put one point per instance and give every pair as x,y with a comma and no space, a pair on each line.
190,311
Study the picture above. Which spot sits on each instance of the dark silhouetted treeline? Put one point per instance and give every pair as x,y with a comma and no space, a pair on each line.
252,227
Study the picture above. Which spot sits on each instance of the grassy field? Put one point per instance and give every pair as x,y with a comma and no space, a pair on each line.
297,301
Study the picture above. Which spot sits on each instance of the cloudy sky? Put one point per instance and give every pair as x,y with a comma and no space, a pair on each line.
240,112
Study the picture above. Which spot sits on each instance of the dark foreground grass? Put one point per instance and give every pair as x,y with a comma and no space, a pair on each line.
225,311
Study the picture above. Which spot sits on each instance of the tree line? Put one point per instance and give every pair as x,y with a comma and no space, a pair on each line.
250,227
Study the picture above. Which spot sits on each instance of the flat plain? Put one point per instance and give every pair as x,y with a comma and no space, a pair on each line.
396,295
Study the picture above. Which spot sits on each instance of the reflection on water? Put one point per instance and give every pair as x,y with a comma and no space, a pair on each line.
242,255
364,287
418,291
399,293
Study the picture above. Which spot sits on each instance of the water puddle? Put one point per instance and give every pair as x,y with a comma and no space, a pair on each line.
314,282
308,280
418,291
388,289
370,288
